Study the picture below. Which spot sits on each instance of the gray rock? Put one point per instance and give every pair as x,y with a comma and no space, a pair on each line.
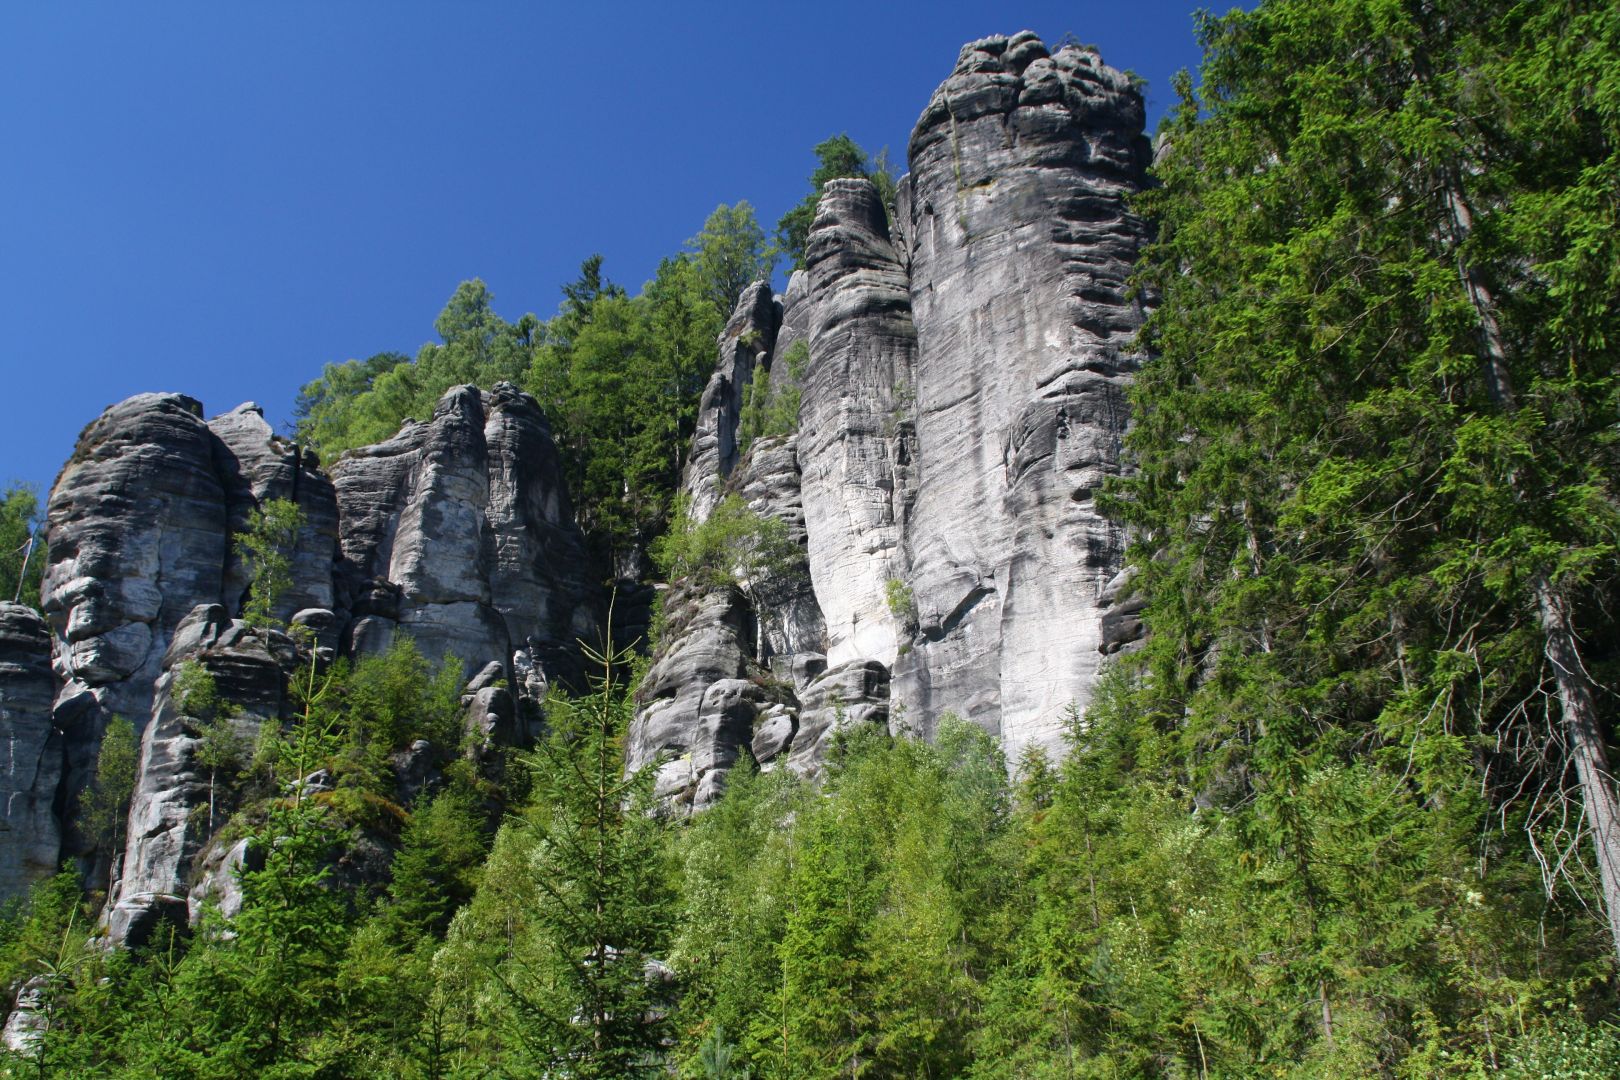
854,447
30,752
843,697
137,530
746,342
459,532
790,619
490,674
256,467
962,405
1122,608
219,879
706,641
169,824
415,771
1020,244
26,1025
774,731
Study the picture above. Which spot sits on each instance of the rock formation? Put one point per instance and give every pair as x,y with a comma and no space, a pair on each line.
855,422
960,403
166,832
1020,243
963,403
30,752
457,532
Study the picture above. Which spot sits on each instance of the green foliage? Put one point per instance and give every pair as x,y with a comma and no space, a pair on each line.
1345,507
732,546
1297,834
22,549
337,410
1568,1049
360,402
387,701
836,157
436,871
771,400
32,928
844,933
730,254
619,377
902,603
267,549
104,805
576,901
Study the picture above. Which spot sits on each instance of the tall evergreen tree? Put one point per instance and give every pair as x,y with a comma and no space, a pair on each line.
1376,493
564,938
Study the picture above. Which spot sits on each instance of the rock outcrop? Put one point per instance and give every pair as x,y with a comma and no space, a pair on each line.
178,801
30,752
962,404
748,338
959,360
137,527
855,422
457,532
1020,243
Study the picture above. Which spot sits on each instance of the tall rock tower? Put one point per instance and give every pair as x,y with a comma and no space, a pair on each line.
1019,242
962,403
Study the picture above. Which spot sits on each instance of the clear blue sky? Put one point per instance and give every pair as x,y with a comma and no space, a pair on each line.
220,198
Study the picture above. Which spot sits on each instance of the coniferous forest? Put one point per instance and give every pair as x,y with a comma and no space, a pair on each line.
1346,811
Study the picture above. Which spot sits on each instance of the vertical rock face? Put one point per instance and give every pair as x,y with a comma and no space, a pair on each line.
459,532
168,816
854,421
747,340
136,527
1020,245
137,531
30,754
962,403
257,466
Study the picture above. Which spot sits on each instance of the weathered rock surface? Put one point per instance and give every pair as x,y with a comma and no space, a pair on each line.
747,340
169,819
790,620
842,697
962,404
710,687
30,752
854,444
137,531
1020,244
258,466
459,532
706,643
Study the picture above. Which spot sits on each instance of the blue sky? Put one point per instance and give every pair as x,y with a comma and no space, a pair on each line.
220,198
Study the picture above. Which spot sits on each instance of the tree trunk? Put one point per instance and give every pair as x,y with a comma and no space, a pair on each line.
1586,745
1581,726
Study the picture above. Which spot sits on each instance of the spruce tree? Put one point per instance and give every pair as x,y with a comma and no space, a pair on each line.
1376,447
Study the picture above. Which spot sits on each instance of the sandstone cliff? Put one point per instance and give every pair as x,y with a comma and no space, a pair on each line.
457,532
960,406
963,403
